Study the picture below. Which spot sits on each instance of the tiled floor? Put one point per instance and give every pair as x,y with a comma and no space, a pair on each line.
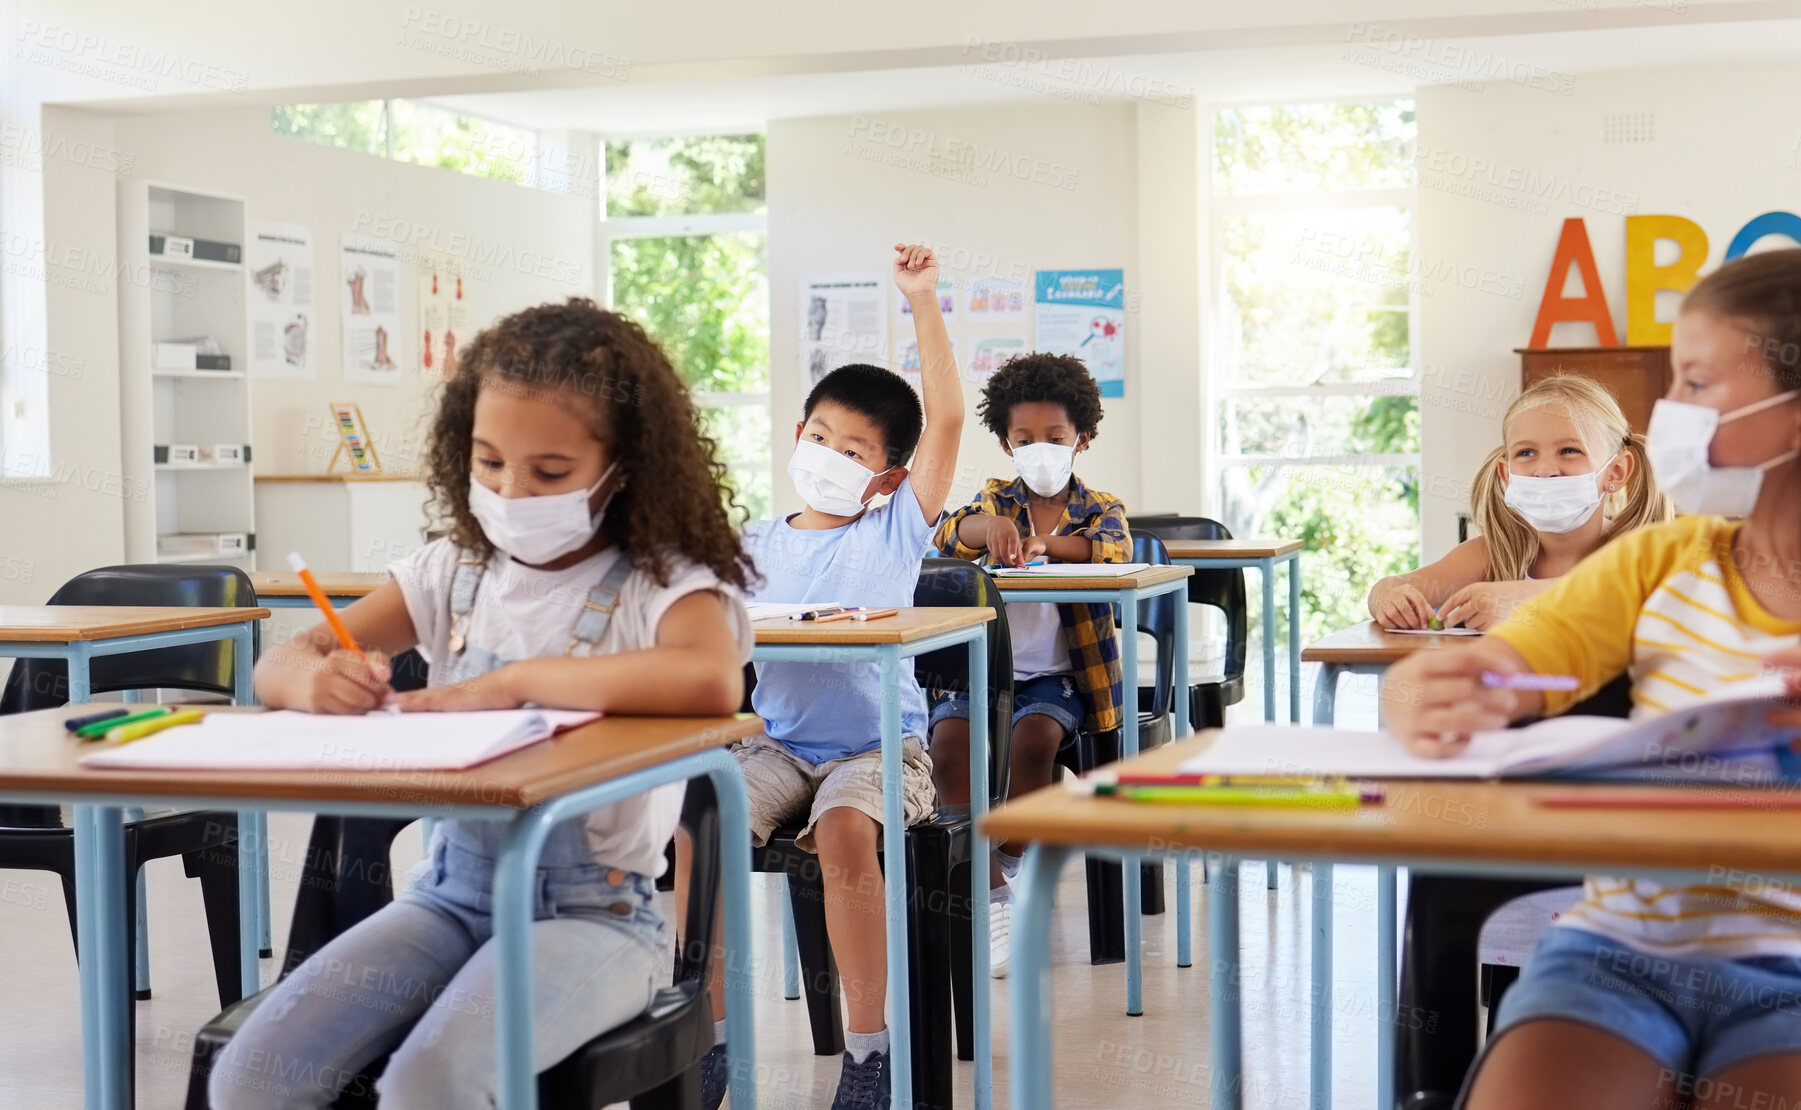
1103,1058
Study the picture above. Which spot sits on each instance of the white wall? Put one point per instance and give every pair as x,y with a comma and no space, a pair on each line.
1725,150
837,203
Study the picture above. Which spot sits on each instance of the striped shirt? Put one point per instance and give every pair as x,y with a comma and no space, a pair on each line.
1667,605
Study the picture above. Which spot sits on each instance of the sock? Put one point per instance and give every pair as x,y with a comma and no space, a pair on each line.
862,1046
1000,894
719,1031
1009,865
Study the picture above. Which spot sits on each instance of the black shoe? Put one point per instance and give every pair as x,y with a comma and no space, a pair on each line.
863,1086
715,1077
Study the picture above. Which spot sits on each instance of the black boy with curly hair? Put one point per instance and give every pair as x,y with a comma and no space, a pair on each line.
1045,409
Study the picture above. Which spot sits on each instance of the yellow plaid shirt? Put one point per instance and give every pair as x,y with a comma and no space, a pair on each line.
1088,630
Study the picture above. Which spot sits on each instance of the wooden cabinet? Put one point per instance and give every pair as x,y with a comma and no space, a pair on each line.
1636,376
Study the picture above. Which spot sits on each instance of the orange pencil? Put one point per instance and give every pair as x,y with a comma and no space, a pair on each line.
324,603
861,615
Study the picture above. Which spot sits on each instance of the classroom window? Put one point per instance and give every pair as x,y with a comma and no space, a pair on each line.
422,133
1314,430
686,240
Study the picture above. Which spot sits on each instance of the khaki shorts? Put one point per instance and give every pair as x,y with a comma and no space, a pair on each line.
784,787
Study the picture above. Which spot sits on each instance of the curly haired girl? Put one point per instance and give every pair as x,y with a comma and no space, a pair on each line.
590,565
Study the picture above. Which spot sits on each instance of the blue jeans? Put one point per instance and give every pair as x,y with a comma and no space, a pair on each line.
1051,695
417,979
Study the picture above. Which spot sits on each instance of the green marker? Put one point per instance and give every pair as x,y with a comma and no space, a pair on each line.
101,728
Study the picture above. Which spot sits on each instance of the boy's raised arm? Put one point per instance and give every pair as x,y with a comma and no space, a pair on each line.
935,462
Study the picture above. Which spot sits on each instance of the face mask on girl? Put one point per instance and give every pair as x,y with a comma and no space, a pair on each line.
536,530
1045,467
1678,442
829,482
1561,504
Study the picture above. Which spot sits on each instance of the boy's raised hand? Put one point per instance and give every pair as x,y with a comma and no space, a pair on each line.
915,269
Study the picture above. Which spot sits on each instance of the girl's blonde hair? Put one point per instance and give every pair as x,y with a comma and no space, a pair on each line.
1513,543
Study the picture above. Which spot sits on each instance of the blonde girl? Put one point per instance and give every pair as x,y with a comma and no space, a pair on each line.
1569,476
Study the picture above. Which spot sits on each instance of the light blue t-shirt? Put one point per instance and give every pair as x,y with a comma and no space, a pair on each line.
826,711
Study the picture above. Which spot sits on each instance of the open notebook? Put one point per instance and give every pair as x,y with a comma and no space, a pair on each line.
1725,739
1069,570
285,740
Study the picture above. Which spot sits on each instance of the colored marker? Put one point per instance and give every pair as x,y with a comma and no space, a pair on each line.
1240,796
125,734
815,614
324,603
100,728
75,723
1496,681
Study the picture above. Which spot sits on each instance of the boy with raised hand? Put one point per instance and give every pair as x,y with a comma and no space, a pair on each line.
820,758
1045,409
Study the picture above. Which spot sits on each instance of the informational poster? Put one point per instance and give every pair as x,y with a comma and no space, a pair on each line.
907,366
985,355
947,300
843,318
1083,313
369,293
443,320
456,326
280,266
996,299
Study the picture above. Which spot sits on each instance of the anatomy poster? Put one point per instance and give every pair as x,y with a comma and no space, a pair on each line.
986,355
443,320
1083,313
369,293
843,318
281,300
993,298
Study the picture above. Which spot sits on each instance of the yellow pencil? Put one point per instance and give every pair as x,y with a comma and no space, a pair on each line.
125,734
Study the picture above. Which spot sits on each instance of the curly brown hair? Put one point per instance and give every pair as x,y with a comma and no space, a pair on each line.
1056,379
605,364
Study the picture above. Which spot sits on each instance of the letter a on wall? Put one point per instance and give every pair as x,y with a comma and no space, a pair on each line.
1645,278
1591,307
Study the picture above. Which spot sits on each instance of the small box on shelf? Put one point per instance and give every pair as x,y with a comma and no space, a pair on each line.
178,454
200,545
188,356
184,248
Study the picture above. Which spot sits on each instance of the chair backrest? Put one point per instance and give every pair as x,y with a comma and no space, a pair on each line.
1157,618
44,683
1221,587
955,582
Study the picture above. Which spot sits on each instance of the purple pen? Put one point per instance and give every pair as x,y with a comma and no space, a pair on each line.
1496,681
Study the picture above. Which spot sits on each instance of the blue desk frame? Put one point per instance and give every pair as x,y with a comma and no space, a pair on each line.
1127,598
894,831
1267,572
99,859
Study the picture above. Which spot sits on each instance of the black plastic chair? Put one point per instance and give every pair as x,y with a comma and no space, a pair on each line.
938,865
33,837
1443,928
651,1062
1084,751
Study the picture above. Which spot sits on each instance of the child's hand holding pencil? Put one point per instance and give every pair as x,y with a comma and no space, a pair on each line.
349,680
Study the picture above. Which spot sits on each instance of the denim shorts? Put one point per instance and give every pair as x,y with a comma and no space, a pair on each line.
1694,1015
1051,695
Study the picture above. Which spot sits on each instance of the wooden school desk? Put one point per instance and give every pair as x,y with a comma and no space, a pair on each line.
1126,591
78,633
1363,648
886,641
531,789
282,589
1498,829
1264,555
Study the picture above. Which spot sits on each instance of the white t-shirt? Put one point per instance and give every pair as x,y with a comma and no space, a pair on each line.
1037,634
521,612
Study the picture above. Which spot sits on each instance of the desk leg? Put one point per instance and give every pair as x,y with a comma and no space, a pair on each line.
252,866
1030,1045
1320,1089
1223,987
1386,1012
1131,886
99,909
514,877
894,878
1325,694
740,989
1269,641
1184,726
980,699
80,687
1294,638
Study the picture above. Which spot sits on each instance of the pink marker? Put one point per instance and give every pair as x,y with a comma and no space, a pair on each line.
1496,681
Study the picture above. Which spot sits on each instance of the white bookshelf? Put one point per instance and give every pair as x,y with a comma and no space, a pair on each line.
172,507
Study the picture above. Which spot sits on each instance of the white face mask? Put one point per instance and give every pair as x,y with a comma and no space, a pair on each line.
536,530
829,482
1045,466
1561,504
1678,442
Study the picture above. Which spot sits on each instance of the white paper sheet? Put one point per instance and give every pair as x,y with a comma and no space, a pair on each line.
1070,570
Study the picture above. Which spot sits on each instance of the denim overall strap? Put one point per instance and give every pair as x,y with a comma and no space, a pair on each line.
597,614
462,597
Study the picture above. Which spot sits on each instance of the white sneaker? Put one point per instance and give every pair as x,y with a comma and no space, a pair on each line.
1000,938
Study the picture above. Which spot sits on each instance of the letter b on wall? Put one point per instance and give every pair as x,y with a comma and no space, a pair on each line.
1645,278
